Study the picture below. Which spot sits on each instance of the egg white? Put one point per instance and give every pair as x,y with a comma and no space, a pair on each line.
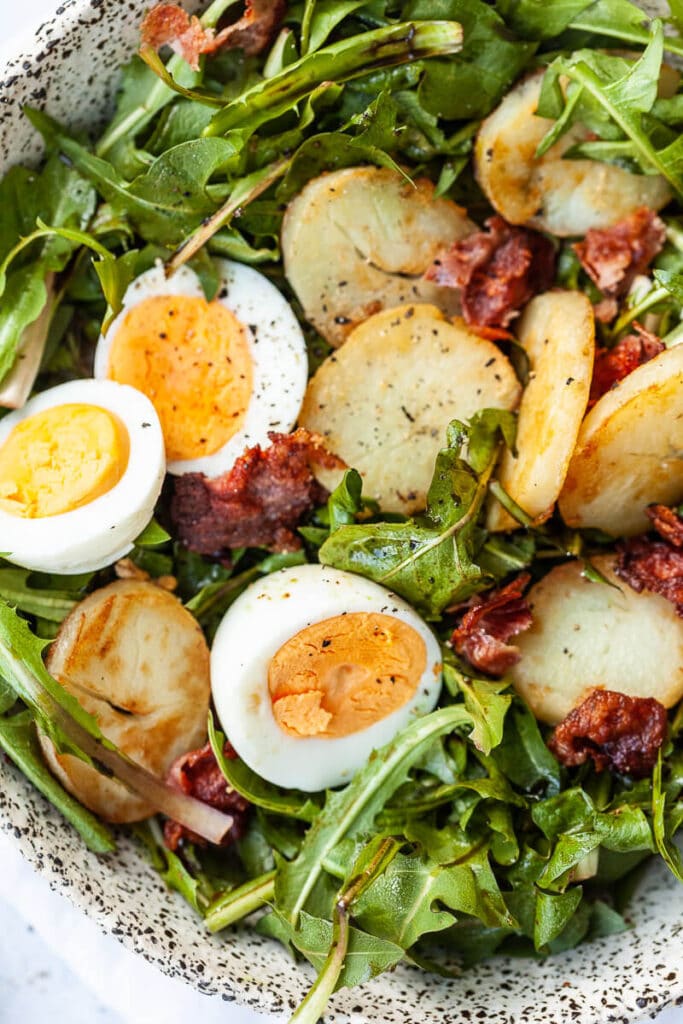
260,621
276,345
94,535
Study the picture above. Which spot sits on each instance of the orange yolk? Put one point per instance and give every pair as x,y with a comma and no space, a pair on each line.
343,674
191,358
60,459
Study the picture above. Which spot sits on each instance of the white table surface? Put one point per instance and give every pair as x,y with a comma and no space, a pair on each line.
55,965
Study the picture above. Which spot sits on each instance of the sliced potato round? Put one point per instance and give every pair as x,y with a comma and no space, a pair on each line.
629,452
564,197
588,636
357,241
557,332
383,402
137,661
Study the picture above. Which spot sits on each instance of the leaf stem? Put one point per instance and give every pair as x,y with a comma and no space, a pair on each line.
231,907
651,299
155,64
309,9
674,44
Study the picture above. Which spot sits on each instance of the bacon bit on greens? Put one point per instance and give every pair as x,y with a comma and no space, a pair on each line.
656,565
498,269
259,502
613,364
667,522
167,24
483,634
617,732
612,257
198,775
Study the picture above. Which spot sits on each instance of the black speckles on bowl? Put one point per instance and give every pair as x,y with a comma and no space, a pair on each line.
70,68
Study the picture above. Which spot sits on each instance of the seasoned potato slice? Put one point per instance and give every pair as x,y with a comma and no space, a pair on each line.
590,635
357,241
564,197
557,332
629,452
138,662
384,400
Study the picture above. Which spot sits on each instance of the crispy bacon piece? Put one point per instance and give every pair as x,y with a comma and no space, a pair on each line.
167,24
613,364
197,774
655,565
498,270
612,257
617,732
668,523
256,504
490,622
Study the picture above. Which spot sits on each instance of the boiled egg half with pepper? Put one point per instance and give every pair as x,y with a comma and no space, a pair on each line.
220,374
313,668
81,468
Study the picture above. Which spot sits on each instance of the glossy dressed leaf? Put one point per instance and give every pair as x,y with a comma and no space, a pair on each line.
523,755
553,912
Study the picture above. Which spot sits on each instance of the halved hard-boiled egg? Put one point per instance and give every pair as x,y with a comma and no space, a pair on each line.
314,668
81,468
220,374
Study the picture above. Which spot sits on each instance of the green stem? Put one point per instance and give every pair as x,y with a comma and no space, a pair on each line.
238,903
155,64
309,10
651,299
44,231
340,62
674,44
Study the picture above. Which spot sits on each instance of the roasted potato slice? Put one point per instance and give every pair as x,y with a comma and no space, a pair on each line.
629,452
588,636
557,332
357,241
137,661
383,401
564,197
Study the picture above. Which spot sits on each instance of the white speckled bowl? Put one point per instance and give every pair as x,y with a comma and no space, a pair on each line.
70,68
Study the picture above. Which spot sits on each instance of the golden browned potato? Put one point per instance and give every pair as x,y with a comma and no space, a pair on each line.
557,332
137,661
564,197
629,452
384,400
357,241
591,635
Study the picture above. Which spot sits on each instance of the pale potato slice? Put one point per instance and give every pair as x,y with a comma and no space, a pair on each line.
137,661
588,636
557,332
384,400
564,197
357,241
629,452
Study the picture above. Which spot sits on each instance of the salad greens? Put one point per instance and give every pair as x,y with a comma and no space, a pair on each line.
463,836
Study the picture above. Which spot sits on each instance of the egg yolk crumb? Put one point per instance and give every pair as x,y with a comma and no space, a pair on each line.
62,458
345,673
192,360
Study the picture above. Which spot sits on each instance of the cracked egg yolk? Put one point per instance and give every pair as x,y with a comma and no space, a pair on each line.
191,358
345,673
60,459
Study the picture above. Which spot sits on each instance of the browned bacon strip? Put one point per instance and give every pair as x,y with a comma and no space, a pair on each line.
498,270
258,503
617,732
655,565
668,524
197,774
483,634
612,257
613,364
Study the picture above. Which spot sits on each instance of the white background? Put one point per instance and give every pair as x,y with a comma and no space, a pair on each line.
54,964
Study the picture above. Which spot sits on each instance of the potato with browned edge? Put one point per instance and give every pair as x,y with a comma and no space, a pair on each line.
138,661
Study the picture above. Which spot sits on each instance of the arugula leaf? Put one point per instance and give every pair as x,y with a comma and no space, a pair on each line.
522,754
53,602
169,865
485,701
153,536
19,741
666,849
552,914
429,560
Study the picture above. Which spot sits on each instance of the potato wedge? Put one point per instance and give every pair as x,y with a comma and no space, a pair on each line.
357,241
629,452
137,661
587,636
564,197
557,331
383,402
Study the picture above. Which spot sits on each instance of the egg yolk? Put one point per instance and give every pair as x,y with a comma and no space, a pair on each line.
62,458
191,358
343,674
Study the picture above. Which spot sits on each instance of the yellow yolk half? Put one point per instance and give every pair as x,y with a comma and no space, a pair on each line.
60,459
191,358
343,674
